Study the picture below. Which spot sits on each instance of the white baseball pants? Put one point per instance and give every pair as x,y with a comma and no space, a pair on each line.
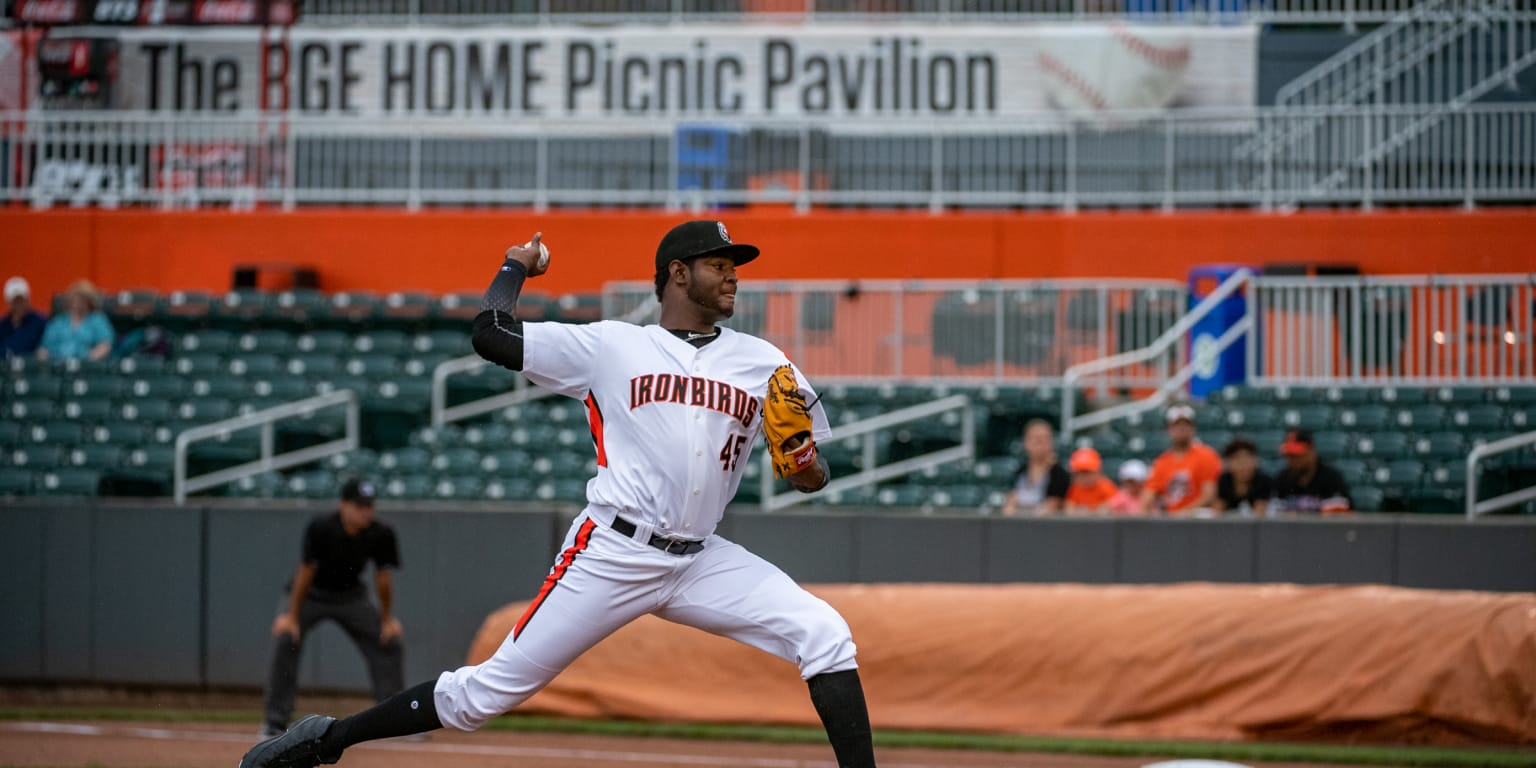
602,580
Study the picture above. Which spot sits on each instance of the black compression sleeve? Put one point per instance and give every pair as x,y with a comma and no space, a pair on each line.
504,290
498,334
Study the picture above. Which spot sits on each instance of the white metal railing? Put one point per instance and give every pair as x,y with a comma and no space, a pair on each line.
871,471
940,11
1174,338
1004,331
269,461
1477,508
443,413
1394,153
1413,330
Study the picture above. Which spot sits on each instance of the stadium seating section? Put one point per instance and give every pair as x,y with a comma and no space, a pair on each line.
109,428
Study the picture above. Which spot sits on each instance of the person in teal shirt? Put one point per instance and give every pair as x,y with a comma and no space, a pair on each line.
81,331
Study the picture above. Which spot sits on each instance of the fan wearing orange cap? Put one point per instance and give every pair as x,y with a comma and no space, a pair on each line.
1091,490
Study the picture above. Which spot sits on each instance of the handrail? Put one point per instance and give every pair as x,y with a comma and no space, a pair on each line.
872,474
269,461
442,413
1158,347
1477,508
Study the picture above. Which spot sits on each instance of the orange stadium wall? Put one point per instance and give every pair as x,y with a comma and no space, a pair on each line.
452,250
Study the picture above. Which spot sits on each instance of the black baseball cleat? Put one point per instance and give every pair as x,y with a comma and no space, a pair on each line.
299,747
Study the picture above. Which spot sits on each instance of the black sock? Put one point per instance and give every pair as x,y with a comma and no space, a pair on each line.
839,699
409,711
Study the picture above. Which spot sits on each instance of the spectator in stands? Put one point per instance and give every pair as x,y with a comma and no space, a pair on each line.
337,547
1091,491
22,329
1184,477
1127,500
1308,484
1041,484
81,331
1243,487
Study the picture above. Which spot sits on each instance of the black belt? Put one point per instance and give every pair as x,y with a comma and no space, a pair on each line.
670,546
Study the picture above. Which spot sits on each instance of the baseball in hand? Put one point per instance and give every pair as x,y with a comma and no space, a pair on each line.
543,256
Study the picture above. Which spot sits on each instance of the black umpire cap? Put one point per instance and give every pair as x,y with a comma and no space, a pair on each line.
359,491
703,237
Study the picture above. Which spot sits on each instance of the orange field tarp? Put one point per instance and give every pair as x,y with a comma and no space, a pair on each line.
1198,661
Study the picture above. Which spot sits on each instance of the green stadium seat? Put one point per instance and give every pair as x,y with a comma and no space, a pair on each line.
298,308
436,439
1402,396
204,410
862,496
1484,417
265,341
199,364
1366,499
574,464
1366,418
1400,473
1383,445
456,461
406,308
151,458
405,460
958,496
381,342
1252,417
312,484
1346,396
1354,471
508,489
456,311
359,463
1446,475
168,387
576,308
455,343
206,342
1515,395
331,343
371,366
351,309
281,389
949,473
1459,395
1521,420
236,445
131,307
86,410
315,366
1421,418
571,491
240,309
146,409
165,432
96,456
143,365
902,496
1441,445
506,462
34,388
179,310
10,433
259,366
41,456
104,385
1436,502
15,481
266,485
420,366
490,435
69,481
1312,417
459,487
56,432
407,487
219,387
32,409
1332,444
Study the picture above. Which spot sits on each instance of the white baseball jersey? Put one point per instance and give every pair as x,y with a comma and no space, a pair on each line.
673,424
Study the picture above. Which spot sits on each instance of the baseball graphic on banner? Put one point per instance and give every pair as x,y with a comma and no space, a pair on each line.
1088,70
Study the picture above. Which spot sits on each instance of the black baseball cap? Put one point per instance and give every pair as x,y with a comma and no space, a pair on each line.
702,237
359,491
1297,441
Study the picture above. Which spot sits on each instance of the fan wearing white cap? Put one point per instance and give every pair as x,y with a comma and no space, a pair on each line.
1132,475
1183,478
21,330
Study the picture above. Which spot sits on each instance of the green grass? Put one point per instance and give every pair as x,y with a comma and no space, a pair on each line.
1234,751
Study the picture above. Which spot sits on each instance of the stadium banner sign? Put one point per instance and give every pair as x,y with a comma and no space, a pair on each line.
748,71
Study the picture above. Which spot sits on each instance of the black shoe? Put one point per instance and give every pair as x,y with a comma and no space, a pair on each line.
299,747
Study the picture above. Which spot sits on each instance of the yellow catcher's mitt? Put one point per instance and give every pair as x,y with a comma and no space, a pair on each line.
785,417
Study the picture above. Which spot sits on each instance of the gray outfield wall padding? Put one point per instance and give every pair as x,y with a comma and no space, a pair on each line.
146,593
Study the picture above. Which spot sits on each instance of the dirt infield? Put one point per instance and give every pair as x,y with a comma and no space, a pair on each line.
188,745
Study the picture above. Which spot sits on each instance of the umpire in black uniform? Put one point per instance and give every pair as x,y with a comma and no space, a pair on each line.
337,547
